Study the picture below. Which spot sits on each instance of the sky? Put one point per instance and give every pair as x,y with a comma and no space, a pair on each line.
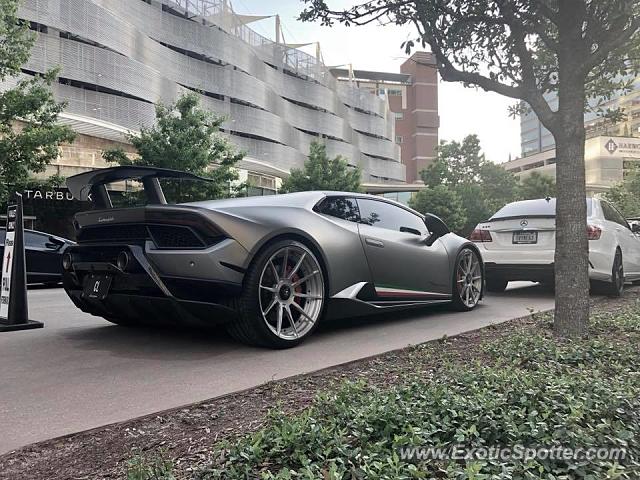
463,111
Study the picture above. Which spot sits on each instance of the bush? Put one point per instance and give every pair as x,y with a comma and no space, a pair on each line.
323,173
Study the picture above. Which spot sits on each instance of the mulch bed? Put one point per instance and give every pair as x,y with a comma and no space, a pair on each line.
186,435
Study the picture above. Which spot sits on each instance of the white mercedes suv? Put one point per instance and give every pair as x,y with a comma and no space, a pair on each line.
518,243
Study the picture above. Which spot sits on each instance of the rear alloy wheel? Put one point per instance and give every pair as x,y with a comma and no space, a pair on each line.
284,297
616,287
496,285
467,280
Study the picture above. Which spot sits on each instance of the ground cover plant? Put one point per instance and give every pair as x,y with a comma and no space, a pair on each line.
527,388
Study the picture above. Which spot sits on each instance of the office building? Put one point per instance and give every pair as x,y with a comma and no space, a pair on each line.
535,138
607,160
412,96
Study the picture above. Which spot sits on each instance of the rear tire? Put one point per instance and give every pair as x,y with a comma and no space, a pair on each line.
497,285
275,281
616,287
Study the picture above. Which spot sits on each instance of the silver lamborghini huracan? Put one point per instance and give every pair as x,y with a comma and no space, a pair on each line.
270,267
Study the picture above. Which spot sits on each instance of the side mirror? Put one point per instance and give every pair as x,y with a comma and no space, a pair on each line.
436,226
54,243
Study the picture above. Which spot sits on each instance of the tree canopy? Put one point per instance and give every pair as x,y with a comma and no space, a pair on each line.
530,51
16,40
483,187
457,167
443,202
514,48
185,137
626,194
30,135
323,173
536,185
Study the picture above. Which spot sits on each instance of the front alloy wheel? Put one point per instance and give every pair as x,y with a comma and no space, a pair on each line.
468,280
283,298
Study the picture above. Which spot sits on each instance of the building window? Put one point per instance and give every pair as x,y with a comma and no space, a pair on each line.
398,139
394,91
38,27
260,184
398,115
531,166
259,192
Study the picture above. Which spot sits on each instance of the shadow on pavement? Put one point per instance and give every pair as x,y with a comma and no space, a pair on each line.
192,343
152,343
43,286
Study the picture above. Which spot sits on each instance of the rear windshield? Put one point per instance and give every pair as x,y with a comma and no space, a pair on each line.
532,208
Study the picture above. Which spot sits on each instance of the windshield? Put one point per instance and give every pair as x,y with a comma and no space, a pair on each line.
532,208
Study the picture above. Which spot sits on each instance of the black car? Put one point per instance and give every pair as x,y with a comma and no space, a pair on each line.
44,255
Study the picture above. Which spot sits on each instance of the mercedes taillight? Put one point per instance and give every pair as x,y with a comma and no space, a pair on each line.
593,232
480,236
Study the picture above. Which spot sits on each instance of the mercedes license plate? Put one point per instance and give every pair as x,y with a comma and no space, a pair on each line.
525,237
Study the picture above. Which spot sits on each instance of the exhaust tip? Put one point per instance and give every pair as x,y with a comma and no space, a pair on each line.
122,261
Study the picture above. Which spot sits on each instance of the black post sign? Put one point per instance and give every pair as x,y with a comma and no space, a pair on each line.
14,313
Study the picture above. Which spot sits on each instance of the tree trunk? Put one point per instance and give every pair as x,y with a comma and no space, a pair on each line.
572,250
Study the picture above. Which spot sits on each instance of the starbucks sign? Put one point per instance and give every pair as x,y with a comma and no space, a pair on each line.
53,194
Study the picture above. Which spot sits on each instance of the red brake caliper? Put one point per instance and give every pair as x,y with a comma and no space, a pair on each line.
297,289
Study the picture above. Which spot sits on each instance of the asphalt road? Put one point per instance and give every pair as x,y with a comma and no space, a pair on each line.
81,372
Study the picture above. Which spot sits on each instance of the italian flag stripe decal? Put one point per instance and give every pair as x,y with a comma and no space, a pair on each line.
384,291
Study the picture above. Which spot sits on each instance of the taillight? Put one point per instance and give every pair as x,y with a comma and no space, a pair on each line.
479,235
593,232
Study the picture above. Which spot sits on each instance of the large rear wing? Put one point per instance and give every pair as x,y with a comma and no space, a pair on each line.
92,185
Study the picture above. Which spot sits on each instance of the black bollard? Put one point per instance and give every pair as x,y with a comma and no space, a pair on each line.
14,311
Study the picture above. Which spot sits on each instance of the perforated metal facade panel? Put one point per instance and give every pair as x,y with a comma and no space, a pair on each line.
119,57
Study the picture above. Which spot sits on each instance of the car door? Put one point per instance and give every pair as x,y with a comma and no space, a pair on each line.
342,244
43,257
402,265
627,240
